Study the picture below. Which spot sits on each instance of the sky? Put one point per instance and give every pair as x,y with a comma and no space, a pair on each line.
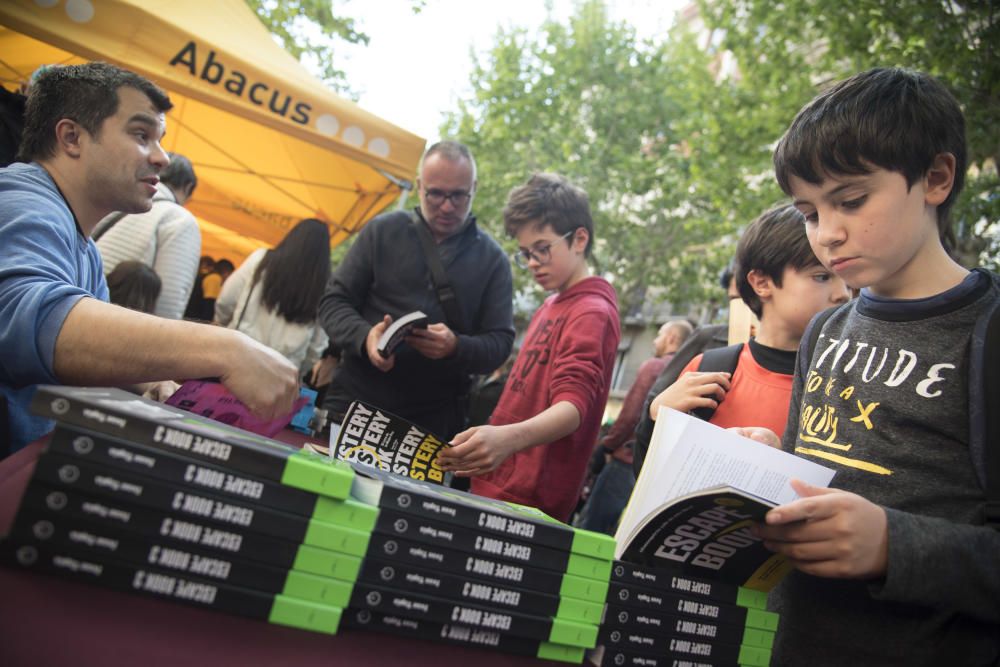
417,66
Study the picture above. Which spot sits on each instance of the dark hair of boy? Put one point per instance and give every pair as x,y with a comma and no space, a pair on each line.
87,94
549,200
134,285
775,240
179,174
295,272
890,118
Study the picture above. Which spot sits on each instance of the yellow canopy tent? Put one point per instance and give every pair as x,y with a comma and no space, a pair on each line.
270,144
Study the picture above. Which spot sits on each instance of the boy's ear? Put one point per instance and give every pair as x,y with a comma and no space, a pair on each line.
580,238
939,179
761,283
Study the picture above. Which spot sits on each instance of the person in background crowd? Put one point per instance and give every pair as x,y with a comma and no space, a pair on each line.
134,285
166,237
274,294
196,302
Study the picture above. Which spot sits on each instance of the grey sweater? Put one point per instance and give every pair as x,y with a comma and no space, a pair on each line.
886,404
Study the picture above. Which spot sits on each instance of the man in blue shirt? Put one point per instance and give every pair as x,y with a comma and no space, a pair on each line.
91,146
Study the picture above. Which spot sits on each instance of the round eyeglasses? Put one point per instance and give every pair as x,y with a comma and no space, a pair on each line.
541,254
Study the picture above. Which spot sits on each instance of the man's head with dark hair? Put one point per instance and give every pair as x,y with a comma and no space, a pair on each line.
890,118
224,268
549,200
180,177
86,94
776,240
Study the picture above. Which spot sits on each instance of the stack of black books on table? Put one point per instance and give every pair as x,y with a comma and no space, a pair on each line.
135,495
455,567
657,616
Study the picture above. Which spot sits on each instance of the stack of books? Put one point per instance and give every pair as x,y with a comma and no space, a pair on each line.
656,617
138,496
447,565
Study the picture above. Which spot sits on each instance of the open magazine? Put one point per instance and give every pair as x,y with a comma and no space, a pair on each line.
700,489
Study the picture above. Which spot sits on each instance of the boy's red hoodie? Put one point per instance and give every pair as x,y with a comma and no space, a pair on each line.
567,355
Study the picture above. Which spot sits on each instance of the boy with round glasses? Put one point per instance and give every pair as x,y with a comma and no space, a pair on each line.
536,447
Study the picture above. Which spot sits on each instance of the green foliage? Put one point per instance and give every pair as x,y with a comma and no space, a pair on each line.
675,150
812,42
589,101
307,29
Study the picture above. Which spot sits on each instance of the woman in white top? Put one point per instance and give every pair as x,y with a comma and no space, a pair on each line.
274,294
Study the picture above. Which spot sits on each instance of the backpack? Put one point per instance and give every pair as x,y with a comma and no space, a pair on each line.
721,359
984,398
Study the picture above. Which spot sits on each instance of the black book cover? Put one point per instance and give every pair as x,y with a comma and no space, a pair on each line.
463,635
618,657
136,419
674,625
673,580
67,472
91,539
484,543
442,559
155,582
440,503
184,530
457,587
408,604
400,328
678,648
167,467
668,603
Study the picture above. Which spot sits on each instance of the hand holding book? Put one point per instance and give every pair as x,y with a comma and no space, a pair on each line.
829,533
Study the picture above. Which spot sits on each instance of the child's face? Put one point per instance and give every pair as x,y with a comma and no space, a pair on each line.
870,230
803,293
556,263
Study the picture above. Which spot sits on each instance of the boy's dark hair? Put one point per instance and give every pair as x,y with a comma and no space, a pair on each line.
134,285
890,118
295,272
549,199
87,94
179,173
775,240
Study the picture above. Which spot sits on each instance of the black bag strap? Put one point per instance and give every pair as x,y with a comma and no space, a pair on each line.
445,293
101,230
718,360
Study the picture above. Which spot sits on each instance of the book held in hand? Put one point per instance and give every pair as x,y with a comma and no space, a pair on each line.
400,328
380,439
699,491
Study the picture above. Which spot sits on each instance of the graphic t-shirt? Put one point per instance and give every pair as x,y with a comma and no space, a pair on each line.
885,403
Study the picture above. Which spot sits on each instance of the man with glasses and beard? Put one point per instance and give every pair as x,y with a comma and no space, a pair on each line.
390,271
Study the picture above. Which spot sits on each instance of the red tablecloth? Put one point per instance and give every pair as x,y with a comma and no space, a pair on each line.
47,621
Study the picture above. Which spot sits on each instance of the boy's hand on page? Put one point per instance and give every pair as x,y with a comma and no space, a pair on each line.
829,533
479,450
437,341
384,364
692,390
758,433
